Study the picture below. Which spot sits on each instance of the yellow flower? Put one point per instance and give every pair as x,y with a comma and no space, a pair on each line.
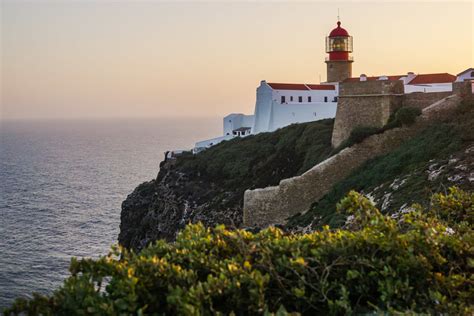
300,261
247,265
232,267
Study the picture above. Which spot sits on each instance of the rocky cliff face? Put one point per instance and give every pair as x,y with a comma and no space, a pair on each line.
209,187
160,208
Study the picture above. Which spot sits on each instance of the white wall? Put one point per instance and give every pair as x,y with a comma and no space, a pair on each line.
286,114
263,108
236,120
467,75
271,114
436,87
210,142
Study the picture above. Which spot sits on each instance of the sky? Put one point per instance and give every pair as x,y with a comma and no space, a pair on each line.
104,59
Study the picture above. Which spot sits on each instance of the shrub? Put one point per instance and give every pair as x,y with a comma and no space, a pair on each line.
466,106
359,133
404,116
415,264
407,115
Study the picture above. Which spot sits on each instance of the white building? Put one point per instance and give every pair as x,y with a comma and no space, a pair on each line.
279,105
439,82
468,75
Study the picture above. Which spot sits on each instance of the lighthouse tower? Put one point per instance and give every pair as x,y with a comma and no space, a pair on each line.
339,47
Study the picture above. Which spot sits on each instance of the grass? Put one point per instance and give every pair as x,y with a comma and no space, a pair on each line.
436,142
263,159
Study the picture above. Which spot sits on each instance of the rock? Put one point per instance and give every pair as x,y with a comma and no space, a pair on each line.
158,209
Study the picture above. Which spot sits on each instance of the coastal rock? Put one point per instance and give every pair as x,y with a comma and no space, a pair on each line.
158,209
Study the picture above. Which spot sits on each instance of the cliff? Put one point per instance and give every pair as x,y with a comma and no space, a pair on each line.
439,156
209,186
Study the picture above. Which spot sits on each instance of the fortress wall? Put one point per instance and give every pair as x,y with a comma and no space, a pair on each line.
465,89
273,205
421,99
365,103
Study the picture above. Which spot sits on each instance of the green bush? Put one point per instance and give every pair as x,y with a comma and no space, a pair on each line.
404,116
407,115
417,263
359,133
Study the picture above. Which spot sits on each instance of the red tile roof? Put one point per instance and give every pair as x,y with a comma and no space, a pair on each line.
373,78
433,78
321,86
301,86
288,86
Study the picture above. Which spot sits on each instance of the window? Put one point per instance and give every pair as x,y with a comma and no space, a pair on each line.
314,113
325,99
300,99
335,99
309,99
283,99
472,74
291,98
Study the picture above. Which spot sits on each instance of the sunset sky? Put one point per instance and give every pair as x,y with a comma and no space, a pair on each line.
95,59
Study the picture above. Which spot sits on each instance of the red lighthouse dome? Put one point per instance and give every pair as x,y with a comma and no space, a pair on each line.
338,31
339,44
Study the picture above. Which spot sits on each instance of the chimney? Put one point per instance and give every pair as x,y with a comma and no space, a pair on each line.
410,76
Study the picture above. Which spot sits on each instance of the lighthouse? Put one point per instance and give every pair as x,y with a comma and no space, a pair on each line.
339,62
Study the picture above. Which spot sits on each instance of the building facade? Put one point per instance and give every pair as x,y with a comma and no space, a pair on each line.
353,101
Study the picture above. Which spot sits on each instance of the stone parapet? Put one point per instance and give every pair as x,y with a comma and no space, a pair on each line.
464,89
421,100
273,205
365,103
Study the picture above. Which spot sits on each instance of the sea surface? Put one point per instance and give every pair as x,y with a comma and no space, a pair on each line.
61,187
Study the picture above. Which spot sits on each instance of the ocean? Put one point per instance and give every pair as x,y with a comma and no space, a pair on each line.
61,188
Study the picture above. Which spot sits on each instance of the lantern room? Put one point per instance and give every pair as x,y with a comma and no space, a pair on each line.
339,44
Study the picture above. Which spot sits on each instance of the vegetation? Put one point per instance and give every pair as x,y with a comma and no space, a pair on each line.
405,116
261,160
359,133
412,159
417,263
256,161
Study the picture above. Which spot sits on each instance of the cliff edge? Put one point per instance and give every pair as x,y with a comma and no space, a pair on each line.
209,187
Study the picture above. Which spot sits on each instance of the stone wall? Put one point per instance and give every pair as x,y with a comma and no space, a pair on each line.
273,205
464,89
365,103
338,71
421,99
